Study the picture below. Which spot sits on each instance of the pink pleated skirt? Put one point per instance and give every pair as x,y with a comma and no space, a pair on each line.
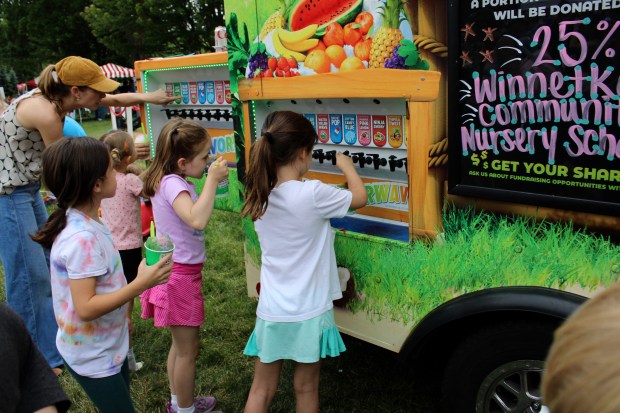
179,302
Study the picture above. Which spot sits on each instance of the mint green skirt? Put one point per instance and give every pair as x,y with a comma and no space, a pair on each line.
302,341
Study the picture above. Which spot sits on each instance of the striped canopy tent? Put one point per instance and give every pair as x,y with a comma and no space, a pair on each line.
115,71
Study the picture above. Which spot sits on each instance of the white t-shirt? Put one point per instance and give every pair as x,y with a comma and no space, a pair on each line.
85,249
299,278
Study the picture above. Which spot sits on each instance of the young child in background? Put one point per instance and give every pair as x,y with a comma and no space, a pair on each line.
121,214
89,290
582,369
299,279
182,151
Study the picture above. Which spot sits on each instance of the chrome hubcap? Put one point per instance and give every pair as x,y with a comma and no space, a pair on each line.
512,387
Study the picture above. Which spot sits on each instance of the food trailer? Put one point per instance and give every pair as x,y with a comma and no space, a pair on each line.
487,134
488,143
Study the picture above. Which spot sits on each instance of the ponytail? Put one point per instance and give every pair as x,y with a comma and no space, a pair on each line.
54,226
51,86
120,144
261,178
284,135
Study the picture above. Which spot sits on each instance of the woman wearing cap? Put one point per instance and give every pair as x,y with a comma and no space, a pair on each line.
32,122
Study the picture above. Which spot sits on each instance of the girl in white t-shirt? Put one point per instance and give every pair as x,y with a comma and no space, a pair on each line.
121,213
299,279
89,290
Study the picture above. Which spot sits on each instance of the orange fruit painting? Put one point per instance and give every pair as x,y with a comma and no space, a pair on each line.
318,61
352,63
336,54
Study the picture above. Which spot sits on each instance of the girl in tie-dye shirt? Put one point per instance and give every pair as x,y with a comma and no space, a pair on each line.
89,290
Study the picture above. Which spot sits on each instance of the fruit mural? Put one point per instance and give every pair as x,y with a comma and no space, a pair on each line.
289,38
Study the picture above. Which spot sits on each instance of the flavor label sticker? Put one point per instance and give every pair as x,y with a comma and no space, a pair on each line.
210,86
202,93
389,195
335,128
169,89
219,91
379,130
322,127
227,96
193,92
312,118
349,127
185,92
364,130
176,88
395,131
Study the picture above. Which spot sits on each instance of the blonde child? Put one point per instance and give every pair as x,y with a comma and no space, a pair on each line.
582,369
89,290
299,279
121,214
182,151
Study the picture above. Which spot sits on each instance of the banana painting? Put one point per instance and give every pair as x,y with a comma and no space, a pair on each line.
300,46
291,44
283,51
298,35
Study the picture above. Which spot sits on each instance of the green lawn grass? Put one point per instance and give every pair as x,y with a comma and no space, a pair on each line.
365,378
96,128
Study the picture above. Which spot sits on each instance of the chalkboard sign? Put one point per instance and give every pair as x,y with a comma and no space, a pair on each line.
534,102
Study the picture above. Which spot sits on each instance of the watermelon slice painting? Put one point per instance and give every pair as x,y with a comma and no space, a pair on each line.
289,38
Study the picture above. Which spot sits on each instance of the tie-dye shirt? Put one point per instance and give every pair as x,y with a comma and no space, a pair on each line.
85,249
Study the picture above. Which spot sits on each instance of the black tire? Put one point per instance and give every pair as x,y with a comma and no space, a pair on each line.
498,368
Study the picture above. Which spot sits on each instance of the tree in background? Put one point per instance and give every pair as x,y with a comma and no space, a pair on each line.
8,80
35,33
137,29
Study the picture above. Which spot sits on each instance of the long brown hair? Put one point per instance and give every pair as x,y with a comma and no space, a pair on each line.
120,144
71,168
179,138
283,136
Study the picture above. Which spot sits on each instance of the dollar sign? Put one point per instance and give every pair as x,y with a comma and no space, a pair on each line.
484,155
474,159
486,165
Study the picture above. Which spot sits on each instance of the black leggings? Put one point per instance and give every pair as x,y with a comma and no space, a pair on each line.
109,394
131,261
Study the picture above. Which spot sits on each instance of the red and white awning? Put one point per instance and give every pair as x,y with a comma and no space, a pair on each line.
115,71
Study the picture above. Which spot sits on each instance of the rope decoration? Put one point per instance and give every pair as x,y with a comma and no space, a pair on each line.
438,154
431,45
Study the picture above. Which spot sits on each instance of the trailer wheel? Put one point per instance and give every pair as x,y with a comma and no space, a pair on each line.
498,369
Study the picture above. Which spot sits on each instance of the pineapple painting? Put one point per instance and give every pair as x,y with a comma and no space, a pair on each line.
276,20
388,36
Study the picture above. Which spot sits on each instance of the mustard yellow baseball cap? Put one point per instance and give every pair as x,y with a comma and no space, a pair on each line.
78,71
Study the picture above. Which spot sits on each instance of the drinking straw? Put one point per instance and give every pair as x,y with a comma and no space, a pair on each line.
152,229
